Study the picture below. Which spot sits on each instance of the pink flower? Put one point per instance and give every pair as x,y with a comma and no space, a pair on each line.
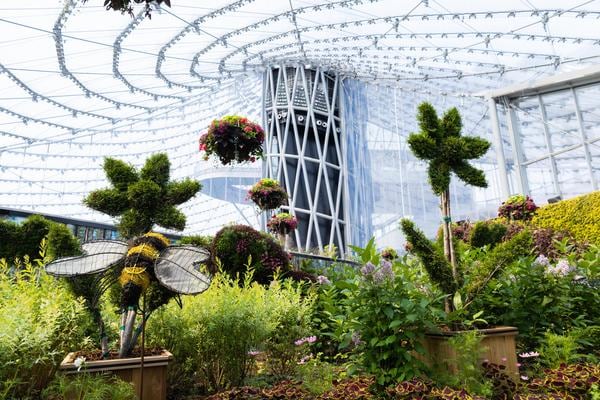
503,359
524,377
322,280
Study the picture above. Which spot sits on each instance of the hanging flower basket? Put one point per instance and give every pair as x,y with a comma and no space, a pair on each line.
267,194
282,223
233,139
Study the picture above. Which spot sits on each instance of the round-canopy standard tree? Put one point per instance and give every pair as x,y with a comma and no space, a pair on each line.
142,199
440,143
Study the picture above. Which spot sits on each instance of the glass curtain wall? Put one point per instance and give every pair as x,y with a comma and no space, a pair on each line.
556,140
386,182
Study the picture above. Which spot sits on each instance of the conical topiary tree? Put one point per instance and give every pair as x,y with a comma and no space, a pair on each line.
142,199
440,143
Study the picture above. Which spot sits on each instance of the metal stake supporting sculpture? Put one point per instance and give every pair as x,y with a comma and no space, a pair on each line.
304,151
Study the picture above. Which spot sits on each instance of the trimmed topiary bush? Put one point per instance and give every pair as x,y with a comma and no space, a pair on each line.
236,248
487,233
580,216
145,198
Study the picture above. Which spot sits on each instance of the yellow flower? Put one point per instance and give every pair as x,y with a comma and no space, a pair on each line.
144,250
136,275
158,236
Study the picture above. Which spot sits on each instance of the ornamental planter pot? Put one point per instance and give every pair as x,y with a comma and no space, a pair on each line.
128,369
499,348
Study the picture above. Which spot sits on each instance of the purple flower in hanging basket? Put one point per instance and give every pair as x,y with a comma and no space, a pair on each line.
233,139
267,194
282,223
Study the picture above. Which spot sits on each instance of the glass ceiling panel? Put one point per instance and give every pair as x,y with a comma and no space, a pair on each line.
78,83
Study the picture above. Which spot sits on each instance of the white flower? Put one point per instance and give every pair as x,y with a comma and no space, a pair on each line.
79,362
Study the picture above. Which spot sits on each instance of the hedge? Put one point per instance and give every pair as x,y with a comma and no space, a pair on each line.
579,215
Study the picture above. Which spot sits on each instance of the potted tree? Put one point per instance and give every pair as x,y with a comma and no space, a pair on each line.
440,143
147,269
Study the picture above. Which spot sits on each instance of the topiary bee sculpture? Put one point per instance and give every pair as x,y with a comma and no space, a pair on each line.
136,265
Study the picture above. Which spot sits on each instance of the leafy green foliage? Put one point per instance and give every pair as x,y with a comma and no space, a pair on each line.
143,199
316,376
387,317
198,241
20,240
493,261
468,373
529,296
487,234
236,248
213,333
433,260
89,387
558,349
40,321
440,143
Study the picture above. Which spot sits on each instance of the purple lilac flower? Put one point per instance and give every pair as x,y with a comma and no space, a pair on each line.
322,280
386,269
542,260
378,277
356,338
368,269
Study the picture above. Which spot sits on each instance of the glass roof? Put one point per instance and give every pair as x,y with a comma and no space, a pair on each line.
78,83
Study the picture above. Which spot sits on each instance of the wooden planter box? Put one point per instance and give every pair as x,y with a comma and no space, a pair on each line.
499,348
128,369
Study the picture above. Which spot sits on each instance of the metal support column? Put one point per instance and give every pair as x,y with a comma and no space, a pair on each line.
504,188
586,148
517,149
549,146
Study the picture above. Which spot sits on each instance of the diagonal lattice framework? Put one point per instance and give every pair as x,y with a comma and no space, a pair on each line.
304,151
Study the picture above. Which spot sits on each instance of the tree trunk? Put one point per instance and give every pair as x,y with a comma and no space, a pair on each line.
447,228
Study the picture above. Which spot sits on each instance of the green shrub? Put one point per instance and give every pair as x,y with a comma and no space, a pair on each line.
533,298
579,215
493,261
486,233
558,349
212,335
89,387
388,317
235,245
20,240
203,242
40,322
468,373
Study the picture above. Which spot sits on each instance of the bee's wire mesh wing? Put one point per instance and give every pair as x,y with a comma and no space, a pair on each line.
98,256
177,269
